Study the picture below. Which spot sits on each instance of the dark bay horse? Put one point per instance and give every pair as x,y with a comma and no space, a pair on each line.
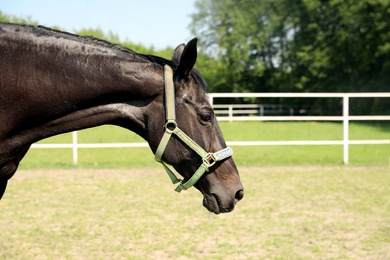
53,82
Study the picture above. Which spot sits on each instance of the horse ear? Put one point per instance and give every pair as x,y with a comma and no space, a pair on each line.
187,59
177,53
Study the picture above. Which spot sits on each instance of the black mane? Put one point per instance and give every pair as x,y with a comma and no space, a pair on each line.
41,30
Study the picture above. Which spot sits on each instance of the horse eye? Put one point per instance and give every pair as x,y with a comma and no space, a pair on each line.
206,117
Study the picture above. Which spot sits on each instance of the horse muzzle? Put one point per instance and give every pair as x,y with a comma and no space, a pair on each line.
220,202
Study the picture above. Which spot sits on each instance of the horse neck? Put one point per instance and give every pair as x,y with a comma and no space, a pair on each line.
69,86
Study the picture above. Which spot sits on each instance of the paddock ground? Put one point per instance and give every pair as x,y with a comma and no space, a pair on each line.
294,212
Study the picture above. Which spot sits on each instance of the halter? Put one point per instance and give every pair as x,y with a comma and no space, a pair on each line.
209,159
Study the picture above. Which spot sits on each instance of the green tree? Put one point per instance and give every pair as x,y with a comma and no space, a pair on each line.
14,19
297,45
98,33
221,27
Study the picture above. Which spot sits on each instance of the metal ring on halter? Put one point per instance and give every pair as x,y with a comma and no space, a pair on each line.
170,127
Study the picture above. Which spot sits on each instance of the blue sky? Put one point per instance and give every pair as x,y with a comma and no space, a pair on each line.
150,22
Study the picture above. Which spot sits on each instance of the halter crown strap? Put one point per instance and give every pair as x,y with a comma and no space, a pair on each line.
169,94
208,159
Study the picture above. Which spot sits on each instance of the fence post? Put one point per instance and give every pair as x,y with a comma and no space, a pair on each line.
211,99
75,152
261,110
345,128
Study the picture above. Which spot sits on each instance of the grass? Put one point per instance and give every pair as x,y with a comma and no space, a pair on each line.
300,202
376,155
309,212
307,155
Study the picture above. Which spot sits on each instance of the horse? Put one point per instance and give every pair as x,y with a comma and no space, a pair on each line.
53,82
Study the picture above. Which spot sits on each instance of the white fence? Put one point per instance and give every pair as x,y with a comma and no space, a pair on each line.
231,110
345,118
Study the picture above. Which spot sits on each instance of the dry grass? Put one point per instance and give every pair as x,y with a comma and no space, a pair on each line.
287,213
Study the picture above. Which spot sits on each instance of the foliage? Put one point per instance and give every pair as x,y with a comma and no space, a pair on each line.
14,19
299,45
98,33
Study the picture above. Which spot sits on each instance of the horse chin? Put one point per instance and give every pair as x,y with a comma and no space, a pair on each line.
212,204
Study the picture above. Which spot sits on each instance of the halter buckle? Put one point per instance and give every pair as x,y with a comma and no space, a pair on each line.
209,160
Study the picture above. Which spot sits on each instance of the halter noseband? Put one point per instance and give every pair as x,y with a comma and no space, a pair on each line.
209,159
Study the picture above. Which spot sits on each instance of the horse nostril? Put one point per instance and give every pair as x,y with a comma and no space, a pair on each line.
239,195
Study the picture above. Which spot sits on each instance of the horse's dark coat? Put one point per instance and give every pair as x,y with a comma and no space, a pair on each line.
53,82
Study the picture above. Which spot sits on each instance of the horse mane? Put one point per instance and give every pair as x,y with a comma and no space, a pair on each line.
41,30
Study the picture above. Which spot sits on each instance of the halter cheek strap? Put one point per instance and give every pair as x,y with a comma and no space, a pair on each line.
208,159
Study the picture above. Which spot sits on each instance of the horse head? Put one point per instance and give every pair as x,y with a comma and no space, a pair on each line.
192,142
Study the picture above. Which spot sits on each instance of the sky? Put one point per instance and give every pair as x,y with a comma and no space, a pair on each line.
150,22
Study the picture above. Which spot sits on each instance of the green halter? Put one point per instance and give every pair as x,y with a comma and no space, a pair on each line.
209,159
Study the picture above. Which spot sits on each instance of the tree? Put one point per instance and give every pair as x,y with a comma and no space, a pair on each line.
230,33
298,45
14,19
98,33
